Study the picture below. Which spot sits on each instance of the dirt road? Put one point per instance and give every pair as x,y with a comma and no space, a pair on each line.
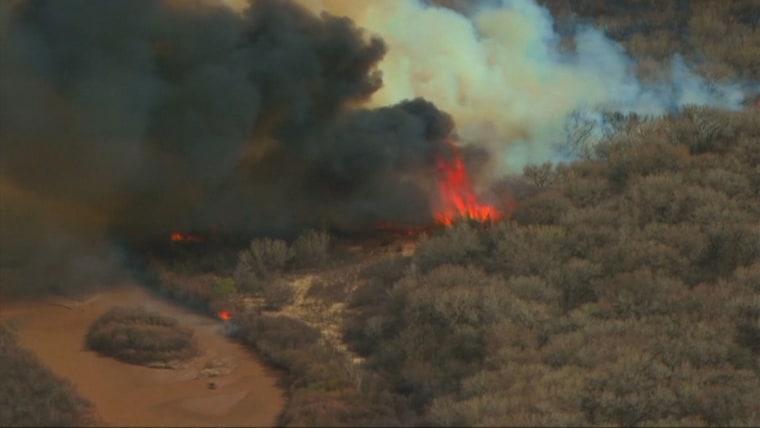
129,395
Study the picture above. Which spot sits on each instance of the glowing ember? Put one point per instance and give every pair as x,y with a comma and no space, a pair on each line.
457,198
184,237
224,315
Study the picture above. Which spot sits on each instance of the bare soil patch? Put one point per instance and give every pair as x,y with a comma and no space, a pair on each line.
226,385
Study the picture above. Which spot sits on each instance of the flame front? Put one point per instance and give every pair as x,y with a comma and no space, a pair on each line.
224,315
457,198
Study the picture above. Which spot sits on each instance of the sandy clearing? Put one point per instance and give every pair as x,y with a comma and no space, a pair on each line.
129,395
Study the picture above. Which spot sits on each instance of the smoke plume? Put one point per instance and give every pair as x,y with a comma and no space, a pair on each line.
138,118
497,67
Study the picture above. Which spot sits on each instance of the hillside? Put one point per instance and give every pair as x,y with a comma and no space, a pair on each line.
622,290
545,214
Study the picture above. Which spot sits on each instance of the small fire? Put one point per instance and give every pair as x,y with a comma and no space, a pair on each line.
224,315
457,198
184,237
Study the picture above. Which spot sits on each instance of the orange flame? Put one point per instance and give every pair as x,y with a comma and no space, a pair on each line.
184,237
224,315
457,198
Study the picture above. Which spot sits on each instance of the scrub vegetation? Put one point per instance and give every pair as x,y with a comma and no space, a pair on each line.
31,395
621,291
138,336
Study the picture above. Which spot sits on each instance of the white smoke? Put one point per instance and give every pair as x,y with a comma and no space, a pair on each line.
500,72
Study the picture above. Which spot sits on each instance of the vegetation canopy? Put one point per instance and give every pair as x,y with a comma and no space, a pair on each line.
31,395
138,336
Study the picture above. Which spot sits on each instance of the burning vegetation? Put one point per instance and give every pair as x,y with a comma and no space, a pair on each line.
457,198
184,237
224,315
617,279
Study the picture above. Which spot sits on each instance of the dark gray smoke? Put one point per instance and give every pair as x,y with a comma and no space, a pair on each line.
143,117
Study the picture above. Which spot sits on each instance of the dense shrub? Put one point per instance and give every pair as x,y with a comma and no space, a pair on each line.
31,395
620,294
749,277
730,183
311,248
194,289
629,161
640,293
387,270
224,288
586,191
577,282
747,316
369,292
324,389
542,176
542,208
460,243
277,293
719,38
666,199
138,336
265,256
531,250
434,329
702,129
632,253
589,231
276,333
626,393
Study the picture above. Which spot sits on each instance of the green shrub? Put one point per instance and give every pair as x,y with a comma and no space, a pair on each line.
224,288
